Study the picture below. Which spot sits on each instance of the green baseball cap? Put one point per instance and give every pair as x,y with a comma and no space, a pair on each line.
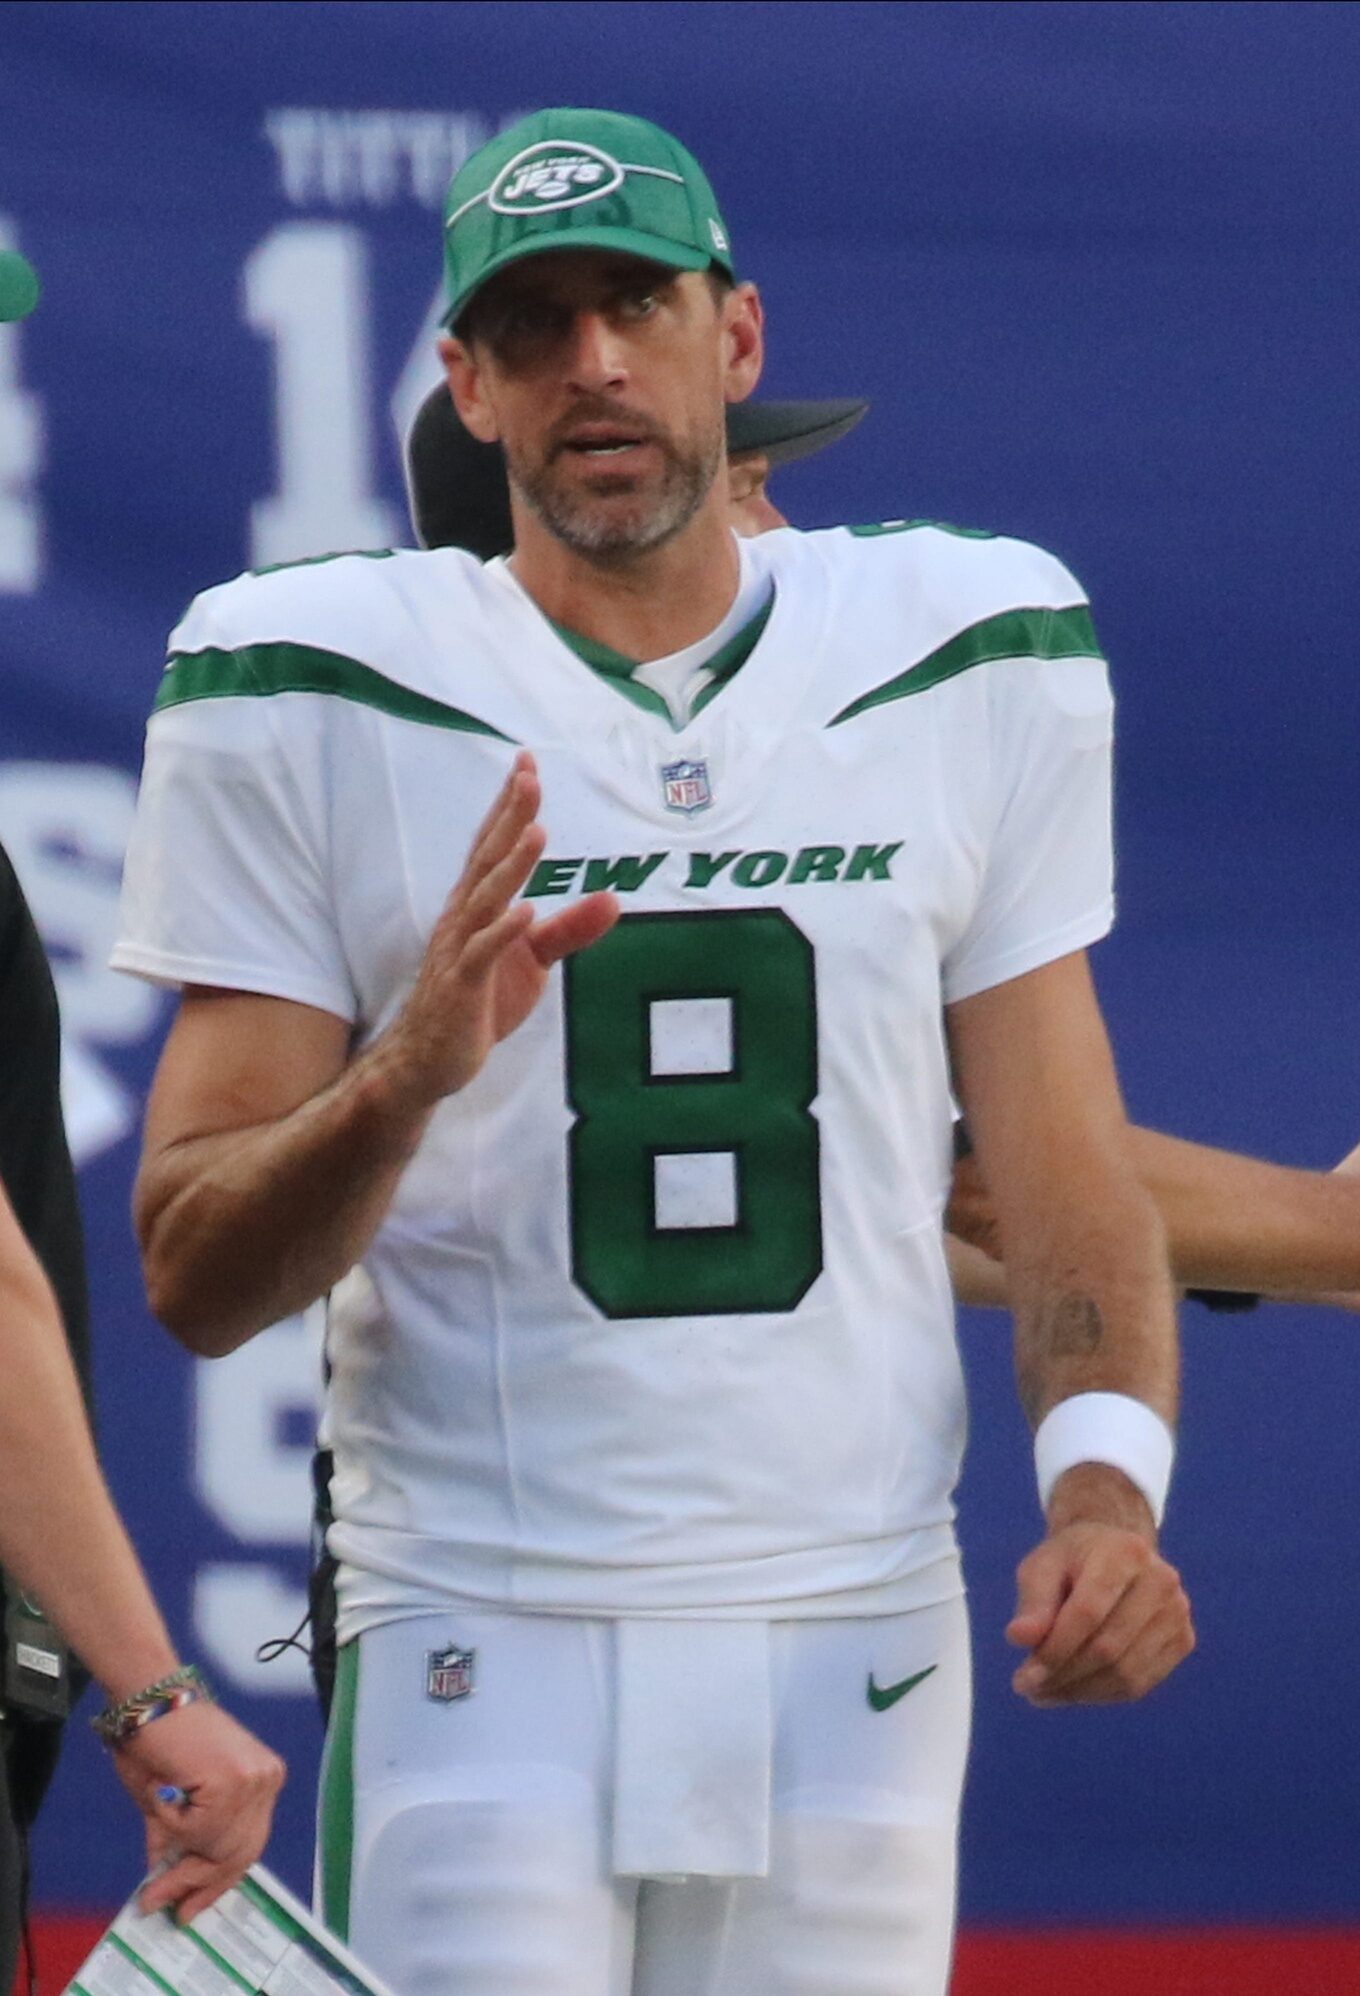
18,286
572,179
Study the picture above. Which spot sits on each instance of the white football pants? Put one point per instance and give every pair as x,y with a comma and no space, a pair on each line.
649,1809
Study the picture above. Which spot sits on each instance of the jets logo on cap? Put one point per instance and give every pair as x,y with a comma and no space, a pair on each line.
552,175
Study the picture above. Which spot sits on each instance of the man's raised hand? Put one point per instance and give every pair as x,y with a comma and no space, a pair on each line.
487,960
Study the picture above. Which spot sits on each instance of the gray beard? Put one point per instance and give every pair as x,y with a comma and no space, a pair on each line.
580,519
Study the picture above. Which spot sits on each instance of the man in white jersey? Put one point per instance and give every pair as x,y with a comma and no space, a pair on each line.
644,1399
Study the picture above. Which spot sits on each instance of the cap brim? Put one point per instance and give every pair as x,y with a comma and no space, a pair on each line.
19,287
783,431
628,242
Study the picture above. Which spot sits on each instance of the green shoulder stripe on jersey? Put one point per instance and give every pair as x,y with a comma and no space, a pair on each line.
1036,634
872,531
261,670
316,560
618,668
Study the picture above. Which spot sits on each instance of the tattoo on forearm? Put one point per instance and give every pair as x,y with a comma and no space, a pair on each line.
1060,1327
1072,1327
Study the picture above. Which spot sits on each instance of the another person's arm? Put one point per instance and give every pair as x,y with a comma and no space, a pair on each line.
976,1277
1101,1612
1232,1222
270,1158
62,1540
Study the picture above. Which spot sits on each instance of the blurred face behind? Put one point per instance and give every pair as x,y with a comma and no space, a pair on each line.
752,509
605,379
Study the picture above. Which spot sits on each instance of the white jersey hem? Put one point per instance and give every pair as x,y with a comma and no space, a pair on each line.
926,1572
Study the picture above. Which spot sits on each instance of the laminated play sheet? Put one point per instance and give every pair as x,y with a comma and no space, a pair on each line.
257,1938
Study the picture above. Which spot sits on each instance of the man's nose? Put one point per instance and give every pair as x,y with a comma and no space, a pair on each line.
598,359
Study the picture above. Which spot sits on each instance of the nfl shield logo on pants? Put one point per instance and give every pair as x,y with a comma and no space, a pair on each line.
685,786
449,1674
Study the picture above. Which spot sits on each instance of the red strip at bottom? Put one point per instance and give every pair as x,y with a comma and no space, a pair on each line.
1230,1961
1234,1961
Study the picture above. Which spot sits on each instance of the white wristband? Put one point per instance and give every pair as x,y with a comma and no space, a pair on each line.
1110,1428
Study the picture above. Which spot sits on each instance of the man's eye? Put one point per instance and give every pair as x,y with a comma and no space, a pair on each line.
525,324
640,304
527,321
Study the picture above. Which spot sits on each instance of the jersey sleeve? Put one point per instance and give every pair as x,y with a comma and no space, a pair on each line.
1047,873
226,880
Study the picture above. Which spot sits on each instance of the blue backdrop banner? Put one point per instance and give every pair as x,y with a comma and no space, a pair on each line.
1096,266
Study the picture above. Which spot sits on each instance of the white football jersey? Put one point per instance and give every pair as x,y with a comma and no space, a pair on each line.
658,1321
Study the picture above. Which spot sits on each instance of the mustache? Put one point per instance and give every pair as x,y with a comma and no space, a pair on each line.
599,409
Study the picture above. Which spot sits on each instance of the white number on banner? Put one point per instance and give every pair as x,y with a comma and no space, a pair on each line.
306,290
21,442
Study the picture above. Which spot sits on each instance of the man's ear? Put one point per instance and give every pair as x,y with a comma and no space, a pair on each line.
744,341
465,386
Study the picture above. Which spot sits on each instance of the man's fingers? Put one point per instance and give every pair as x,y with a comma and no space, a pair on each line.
480,955
522,771
1095,1596
1112,1636
1041,1586
1124,1623
186,1875
1068,1586
494,891
1149,1660
515,806
574,927
1152,1611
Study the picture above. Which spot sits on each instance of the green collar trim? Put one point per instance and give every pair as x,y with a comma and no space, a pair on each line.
617,669
260,671
1032,634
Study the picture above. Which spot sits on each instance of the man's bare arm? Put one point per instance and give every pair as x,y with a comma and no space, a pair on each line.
267,1164
62,1539
270,1157
1100,1610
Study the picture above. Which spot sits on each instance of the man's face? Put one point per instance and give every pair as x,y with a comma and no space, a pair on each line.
605,379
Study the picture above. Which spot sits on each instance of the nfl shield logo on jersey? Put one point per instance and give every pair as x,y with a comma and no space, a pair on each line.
449,1674
685,787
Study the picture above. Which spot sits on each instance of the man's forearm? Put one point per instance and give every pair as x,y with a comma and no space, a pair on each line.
246,1226
1094,1308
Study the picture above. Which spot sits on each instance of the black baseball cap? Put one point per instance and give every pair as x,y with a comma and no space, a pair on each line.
457,486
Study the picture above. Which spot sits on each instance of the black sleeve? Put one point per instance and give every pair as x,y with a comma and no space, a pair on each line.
35,1164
